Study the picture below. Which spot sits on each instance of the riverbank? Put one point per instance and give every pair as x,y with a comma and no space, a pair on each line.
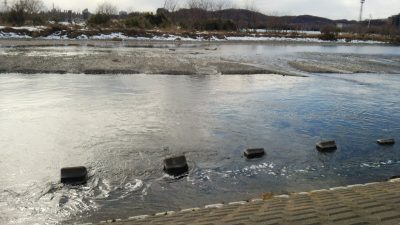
189,58
76,32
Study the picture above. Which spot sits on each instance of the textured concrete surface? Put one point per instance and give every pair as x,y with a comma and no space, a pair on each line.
375,203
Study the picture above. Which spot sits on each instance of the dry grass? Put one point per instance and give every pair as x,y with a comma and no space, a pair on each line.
267,196
74,31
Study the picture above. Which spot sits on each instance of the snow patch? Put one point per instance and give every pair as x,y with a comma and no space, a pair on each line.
280,31
165,37
109,36
29,28
56,36
12,35
311,40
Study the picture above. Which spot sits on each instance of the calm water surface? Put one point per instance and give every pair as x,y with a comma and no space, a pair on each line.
118,126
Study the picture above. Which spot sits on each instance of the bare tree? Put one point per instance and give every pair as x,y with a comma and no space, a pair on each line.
192,4
22,10
222,4
252,20
276,21
34,6
200,4
107,8
29,6
206,4
171,5
250,5
199,8
4,6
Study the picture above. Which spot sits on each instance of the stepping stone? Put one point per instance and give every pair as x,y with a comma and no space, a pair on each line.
254,153
324,146
74,175
176,166
386,141
394,177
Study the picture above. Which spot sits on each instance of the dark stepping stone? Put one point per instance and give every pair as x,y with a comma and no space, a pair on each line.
394,177
74,175
176,166
325,146
386,141
254,153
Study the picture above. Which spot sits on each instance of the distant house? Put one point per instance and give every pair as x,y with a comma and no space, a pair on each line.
395,20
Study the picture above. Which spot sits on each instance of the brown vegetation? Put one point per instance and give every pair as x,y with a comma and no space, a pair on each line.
215,16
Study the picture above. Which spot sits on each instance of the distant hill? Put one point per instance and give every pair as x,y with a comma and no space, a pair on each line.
307,19
246,18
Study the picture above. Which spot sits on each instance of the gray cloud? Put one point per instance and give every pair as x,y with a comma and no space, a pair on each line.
335,9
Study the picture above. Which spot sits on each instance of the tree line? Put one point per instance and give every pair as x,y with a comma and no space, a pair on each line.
168,16
203,14
19,11
172,14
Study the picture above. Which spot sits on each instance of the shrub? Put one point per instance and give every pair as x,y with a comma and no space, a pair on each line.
329,33
146,20
17,16
137,22
38,20
157,20
328,37
229,25
395,40
99,19
215,25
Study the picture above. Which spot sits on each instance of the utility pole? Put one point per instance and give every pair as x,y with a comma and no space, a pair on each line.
369,21
361,9
5,5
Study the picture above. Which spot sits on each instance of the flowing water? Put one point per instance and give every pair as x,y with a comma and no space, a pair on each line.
122,126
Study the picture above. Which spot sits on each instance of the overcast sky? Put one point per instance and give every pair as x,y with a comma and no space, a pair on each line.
334,9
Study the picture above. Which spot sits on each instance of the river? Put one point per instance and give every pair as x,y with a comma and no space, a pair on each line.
122,126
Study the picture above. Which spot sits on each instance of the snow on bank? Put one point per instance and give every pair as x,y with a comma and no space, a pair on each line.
280,31
312,40
121,36
165,37
34,28
233,38
56,36
11,35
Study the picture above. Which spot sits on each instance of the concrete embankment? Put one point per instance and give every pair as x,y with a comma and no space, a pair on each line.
374,203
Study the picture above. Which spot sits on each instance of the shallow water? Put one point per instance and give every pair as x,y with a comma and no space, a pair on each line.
118,126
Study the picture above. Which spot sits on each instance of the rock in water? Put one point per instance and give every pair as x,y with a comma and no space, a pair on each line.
74,175
386,141
176,165
324,146
254,153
